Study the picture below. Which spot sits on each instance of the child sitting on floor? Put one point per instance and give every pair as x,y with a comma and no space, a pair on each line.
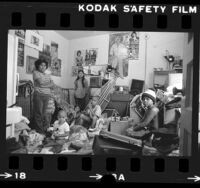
60,129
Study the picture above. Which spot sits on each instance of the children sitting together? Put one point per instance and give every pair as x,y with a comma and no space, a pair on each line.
88,118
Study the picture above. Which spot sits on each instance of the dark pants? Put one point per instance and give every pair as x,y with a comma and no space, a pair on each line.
81,102
41,118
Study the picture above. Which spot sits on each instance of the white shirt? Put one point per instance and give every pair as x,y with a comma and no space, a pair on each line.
61,129
120,51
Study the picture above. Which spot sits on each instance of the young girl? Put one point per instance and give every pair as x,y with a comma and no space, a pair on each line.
60,128
81,90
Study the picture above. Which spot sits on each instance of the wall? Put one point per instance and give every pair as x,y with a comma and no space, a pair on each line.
157,43
63,50
101,42
186,109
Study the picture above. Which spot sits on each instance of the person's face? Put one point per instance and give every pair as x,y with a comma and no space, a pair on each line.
61,117
42,67
94,102
133,35
80,74
147,101
77,109
79,54
117,40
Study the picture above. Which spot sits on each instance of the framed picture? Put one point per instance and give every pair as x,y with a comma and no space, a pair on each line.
34,40
30,64
90,57
56,67
54,50
75,70
46,50
20,58
20,33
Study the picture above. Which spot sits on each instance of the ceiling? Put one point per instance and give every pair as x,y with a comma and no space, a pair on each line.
80,34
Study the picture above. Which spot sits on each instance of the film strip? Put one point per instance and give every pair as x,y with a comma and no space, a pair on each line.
165,35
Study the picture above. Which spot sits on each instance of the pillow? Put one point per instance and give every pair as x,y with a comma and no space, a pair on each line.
171,116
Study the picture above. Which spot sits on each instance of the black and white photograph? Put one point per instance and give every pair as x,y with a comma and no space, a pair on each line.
102,93
91,56
30,64
20,33
20,60
34,40
56,67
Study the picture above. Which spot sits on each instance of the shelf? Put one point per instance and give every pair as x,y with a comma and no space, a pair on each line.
164,72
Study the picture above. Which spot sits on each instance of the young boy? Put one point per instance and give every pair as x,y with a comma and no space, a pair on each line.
149,120
92,114
60,128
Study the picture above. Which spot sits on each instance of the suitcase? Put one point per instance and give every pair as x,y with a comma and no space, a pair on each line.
112,143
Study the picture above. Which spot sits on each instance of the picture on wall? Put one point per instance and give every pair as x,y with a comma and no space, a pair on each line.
30,64
85,57
90,57
54,50
20,58
123,47
20,33
79,57
56,67
46,49
34,40
75,70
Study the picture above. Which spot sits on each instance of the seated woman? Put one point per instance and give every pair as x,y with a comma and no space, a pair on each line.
89,118
148,121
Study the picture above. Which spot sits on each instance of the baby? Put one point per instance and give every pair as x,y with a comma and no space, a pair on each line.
60,127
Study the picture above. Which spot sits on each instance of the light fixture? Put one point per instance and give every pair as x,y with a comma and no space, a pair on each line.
169,58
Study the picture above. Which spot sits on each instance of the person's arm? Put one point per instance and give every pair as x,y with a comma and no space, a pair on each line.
44,83
132,103
147,118
75,85
87,89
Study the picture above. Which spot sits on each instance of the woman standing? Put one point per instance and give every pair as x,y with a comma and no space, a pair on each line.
42,93
81,90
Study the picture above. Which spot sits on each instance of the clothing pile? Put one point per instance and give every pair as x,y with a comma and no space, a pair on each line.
25,88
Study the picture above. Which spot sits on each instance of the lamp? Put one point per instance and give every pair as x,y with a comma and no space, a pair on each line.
170,58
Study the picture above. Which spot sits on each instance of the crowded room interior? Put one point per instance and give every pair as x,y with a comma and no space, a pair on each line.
99,92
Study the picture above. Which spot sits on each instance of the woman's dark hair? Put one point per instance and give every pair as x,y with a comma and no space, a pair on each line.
78,52
83,78
39,62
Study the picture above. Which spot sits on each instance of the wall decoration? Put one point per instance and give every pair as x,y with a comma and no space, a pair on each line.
30,64
20,33
54,50
85,57
34,40
79,57
75,70
20,58
56,67
46,49
90,57
123,46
